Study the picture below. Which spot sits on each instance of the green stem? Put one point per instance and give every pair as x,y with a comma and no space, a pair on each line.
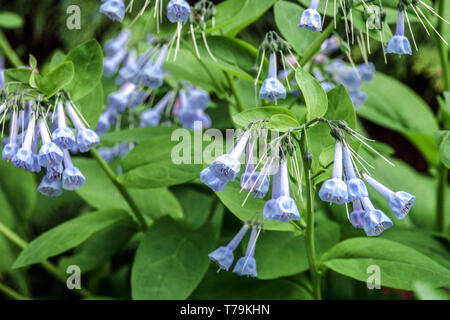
9,52
12,293
239,105
309,236
123,191
49,267
442,176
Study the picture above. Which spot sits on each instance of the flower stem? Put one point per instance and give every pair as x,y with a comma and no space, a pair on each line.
239,105
9,52
442,175
309,235
123,191
12,293
49,267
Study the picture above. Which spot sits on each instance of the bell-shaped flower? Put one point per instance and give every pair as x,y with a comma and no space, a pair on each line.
24,156
335,189
357,215
54,172
358,98
311,18
111,64
246,266
10,149
129,70
63,136
107,154
50,187
178,10
152,117
119,100
366,71
153,75
36,167
113,46
255,182
72,177
49,154
227,166
281,207
86,138
399,43
224,256
272,89
356,188
114,9
375,221
212,181
198,98
400,202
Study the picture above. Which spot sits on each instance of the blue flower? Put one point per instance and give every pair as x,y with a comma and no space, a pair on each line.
53,172
356,189
9,151
129,70
281,207
224,256
114,9
311,18
255,182
119,100
153,75
399,44
366,71
114,45
49,154
198,99
178,10
226,166
111,64
72,178
103,124
399,202
23,159
272,89
136,98
357,215
63,136
50,187
246,266
335,189
107,154
188,118
358,98
211,180
152,117
375,221
327,86
87,139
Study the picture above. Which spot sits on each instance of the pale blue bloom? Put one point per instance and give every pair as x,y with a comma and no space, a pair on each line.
375,221
152,117
49,154
224,256
246,266
311,18
114,9
335,189
153,74
178,10
10,149
272,89
72,177
119,100
86,138
24,157
112,46
357,215
399,44
50,187
356,189
111,64
212,181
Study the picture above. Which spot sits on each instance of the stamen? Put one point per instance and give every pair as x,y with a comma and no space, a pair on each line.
420,19
194,41
207,47
431,25
410,30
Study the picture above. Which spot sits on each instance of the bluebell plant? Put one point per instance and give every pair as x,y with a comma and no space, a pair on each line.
311,18
113,9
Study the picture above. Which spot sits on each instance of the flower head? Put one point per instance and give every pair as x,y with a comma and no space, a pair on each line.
178,10
49,154
399,44
10,149
24,157
86,138
357,215
153,74
272,89
50,187
114,9
112,46
356,189
375,221
246,266
311,18
335,189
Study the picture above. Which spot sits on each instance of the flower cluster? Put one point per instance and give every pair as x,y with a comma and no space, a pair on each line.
246,265
31,146
353,190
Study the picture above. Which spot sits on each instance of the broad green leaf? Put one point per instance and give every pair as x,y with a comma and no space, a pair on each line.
56,59
91,105
282,122
252,10
399,265
260,113
226,13
232,198
280,254
67,236
98,249
171,261
229,286
138,134
10,20
315,97
409,115
19,189
287,15
424,291
87,59
100,192
56,79
444,149
17,74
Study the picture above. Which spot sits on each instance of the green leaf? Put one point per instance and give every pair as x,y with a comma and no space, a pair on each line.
232,198
252,10
226,13
171,261
10,20
424,291
282,122
398,263
315,97
280,254
260,113
17,74
138,134
87,59
444,149
67,236
409,115
91,105
56,79
229,286
286,13
100,192
98,249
